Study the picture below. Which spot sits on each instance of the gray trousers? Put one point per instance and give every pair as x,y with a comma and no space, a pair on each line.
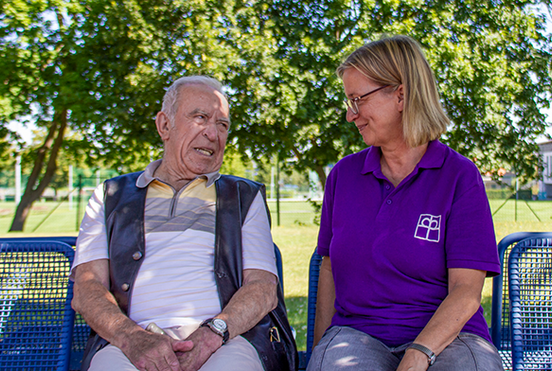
344,348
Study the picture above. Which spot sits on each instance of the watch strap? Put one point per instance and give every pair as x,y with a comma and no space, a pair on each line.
225,335
430,355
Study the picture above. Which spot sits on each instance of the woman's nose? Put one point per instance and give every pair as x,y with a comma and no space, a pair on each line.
350,116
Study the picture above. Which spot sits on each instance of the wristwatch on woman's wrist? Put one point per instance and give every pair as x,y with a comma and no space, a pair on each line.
218,326
430,355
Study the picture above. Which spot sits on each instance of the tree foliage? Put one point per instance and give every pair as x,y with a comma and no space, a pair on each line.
492,61
100,67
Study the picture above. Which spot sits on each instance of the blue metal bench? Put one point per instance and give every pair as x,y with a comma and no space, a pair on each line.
36,318
26,346
81,330
500,323
500,311
530,288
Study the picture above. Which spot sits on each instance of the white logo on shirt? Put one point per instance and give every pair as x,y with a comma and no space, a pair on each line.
428,228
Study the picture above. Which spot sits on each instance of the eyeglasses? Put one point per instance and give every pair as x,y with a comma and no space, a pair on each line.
352,104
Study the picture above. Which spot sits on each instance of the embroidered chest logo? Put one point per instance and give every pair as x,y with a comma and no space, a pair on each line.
428,228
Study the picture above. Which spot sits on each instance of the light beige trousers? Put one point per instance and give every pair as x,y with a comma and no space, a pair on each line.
236,355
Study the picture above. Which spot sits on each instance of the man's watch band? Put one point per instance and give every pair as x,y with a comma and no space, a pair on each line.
218,326
430,355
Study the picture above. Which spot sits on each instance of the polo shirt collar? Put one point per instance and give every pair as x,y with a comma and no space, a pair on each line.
147,176
433,158
372,162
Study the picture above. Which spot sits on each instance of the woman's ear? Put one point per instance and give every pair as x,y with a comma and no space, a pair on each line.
163,125
400,98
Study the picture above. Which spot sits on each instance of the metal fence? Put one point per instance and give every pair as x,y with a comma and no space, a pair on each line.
64,214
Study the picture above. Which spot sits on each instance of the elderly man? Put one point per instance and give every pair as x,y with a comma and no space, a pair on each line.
190,249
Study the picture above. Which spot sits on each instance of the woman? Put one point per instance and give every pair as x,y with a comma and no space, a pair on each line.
406,232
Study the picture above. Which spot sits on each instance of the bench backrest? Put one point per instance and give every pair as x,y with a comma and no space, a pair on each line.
71,348
36,318
500,310
530,288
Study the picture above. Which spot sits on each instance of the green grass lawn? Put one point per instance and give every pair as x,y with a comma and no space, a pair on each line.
45,218
296,236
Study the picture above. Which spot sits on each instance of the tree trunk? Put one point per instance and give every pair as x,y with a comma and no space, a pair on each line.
50,148
321,175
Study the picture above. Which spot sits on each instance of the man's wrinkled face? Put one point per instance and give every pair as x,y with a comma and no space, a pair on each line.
196,137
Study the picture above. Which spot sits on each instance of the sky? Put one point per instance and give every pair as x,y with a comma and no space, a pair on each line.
24,131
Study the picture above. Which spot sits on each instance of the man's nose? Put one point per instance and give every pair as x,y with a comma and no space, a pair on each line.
210,131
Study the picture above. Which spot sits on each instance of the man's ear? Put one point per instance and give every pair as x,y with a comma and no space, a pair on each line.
163,125
400,98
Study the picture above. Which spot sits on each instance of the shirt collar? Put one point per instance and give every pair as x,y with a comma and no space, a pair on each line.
372,162
434,157
147,176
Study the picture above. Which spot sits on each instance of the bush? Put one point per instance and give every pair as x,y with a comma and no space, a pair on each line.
505,193
499,194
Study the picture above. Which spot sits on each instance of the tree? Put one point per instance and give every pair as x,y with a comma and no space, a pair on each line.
491,60
98,67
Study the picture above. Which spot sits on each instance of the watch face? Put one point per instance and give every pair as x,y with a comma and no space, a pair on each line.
219,324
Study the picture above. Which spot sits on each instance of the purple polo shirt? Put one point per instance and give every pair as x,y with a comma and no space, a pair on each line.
390,247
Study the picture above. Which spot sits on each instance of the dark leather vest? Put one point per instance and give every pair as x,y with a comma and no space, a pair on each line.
124,218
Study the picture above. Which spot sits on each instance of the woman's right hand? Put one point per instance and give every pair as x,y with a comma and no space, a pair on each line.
413,360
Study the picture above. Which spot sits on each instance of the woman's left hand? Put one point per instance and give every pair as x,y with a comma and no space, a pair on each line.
413,360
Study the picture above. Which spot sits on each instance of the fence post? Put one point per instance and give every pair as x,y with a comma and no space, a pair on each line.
70,187
516,200
79,202
17,179
278,191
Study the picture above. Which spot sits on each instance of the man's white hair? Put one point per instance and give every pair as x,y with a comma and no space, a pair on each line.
171,99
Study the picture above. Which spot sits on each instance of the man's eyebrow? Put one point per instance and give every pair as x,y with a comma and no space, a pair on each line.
199,110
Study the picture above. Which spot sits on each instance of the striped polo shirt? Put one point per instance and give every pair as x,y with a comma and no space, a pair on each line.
176,285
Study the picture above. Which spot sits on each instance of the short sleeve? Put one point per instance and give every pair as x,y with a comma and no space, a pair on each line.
325,233
257,245
470,239
92,239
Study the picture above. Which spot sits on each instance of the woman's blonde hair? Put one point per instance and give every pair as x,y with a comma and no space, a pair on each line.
400,60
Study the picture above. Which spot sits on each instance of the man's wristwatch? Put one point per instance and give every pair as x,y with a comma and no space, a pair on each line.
430,355
218,326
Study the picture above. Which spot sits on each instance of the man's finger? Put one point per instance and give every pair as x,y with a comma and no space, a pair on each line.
172,363
182,345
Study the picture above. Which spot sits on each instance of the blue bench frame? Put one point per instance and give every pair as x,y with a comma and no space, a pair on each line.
36,319
530,289
500,323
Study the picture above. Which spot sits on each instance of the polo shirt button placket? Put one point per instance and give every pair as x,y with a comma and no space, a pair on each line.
389,202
